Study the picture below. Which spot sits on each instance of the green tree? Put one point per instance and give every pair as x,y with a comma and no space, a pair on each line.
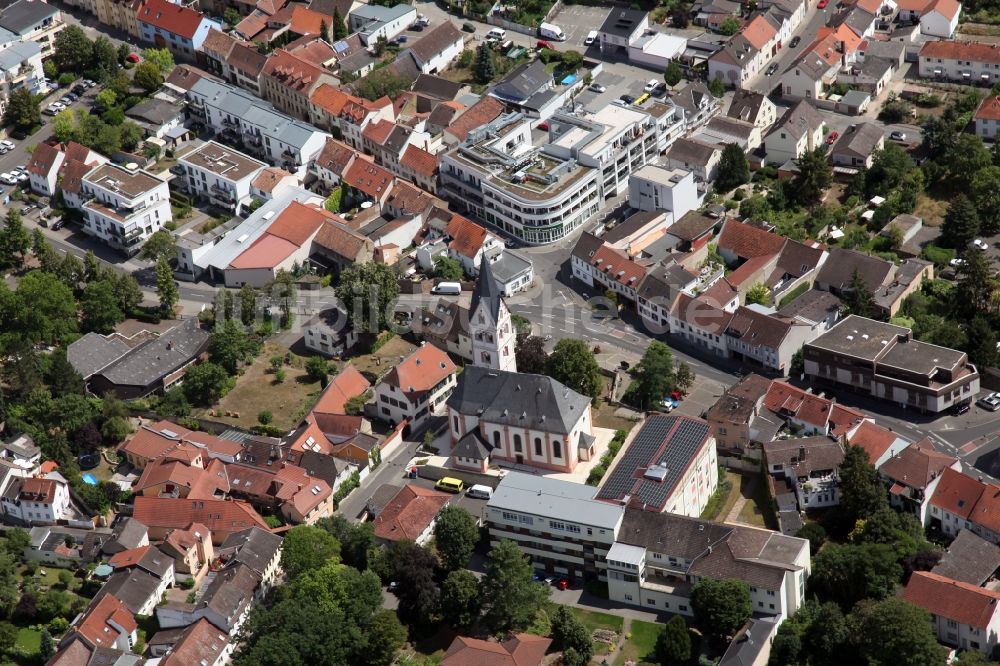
162,58
861,492
572,363
99,308
317,368
977,282
485,69
357,540
758,293
673,75
720,607
160,245
64,126
131,135
827,637
510,595
961,223
8,636
814,177
368,291
324,31
729,26
15,540
15,241
448,269
893,627
307,547
46,310
105,58
717,87
232,17
73,51
857,297
166,288
418,593
248,304
386,635
22,109
339,25
460,599
981,346
126,289
206,383
530,355
174,403
734,169
984,190
684,376
147,76
966,158
846,574
381,83
455,536
571,61
815,534
673,645
9,581
654,376
230,345
46,646
105,98
570,635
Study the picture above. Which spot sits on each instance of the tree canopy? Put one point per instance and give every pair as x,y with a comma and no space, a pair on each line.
721,607
367,291
572,363
511,597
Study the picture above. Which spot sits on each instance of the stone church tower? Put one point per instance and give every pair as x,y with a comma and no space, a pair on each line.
490,325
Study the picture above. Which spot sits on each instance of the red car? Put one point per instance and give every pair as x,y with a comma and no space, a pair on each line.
543,126
563,584
132,57
832,137
542,44
822,4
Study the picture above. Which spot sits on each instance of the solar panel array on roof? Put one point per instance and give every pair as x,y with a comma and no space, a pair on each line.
340,46
667,442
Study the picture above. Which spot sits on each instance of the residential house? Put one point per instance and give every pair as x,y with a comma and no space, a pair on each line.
198,643
272,182
124,207
288,81
416,387
435,50
810,466
23,453
178,28
964,62
987,117
808,413
122,15
912,476
138,589
889,284
54,546
698,157
36,501
697,103
107,623
289,491
676,458
962,615
243,67
375,22
257,549
328,333
160,118
226,602
20,67
43,168
221,175
222,517
937,18
128,533
655,188
517,650
621,28
856,147
798,131
969,559
410,515
191,550
148,559
879,443
753,107
723,130
518,418
169,440
739,420
30,21
108,364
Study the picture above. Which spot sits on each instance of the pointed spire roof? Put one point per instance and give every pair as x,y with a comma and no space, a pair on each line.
486,291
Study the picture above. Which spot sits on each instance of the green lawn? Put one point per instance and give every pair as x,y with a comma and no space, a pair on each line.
597,620
724,498
758,510
640,646
29,639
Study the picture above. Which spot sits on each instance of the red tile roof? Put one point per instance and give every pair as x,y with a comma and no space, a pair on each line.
292,71
331,99
467,237
368,178
485,110
95,627
39,490
222,516
748,241
269,178
377,132
336,156
128,558
617,266
843,419
420,371
987,510
409,513
344,386
873,438
176,19
791,401
200,643
989,109
947,49
298,223
758,32
43,158
419,161
518,650
952,599
307,22
267,252
916,465
957,493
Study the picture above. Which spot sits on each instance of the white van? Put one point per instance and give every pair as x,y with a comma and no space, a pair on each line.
480,492
591,38
551,31
496,34
447,288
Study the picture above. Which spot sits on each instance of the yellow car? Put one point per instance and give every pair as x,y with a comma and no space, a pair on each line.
642,98
450,485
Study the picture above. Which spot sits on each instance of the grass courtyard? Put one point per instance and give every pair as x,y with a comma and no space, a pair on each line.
639,646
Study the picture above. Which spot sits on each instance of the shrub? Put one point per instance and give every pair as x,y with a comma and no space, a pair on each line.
265,417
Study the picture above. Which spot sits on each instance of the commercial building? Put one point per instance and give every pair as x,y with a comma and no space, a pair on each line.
221,175
124,207
374,22
886,362
655,188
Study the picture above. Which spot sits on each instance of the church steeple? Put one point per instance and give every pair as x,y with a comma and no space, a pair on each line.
491,328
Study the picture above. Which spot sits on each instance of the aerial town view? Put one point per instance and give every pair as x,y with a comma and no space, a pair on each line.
514,333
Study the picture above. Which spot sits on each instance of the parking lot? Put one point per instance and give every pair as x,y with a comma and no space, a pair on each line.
576,21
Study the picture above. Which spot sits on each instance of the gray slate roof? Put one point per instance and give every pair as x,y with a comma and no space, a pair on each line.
157,358
970,559
553,498
254,548
486,291
523,82
518,399
472,445
21,17
133,588
94,352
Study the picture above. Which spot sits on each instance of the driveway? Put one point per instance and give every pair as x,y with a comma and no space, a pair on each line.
576,21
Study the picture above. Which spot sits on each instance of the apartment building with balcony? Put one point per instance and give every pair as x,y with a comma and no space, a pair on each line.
124,207
255,126
121,15
886,362
20,67
31,21
557,524
221,175
964,62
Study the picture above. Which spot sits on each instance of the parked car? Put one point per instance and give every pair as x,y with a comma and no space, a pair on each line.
628,99
21,177
772,69
8,179
542,126
651,85
896,135
597,87
133,57
542,44
79,89
563,584
591,38
795,41
89,83
6,143
980,244
959,408
957,262
990,403
468,27
832,137
822,4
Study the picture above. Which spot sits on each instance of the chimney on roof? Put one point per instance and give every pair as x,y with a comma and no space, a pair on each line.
802,453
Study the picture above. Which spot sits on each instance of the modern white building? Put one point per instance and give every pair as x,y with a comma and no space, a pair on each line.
36,501
655,188
375,22
810,466
124,207
221,175
20,67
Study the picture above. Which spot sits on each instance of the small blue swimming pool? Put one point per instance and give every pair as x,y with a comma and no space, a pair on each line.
90,479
